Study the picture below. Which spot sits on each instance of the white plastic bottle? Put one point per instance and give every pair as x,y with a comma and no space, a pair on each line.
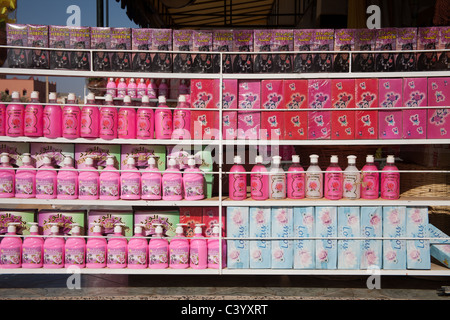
352,180
314,179
277,180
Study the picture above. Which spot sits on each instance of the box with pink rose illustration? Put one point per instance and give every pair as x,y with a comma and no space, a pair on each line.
260,227
417,251
282,227
326,227
371,227
304,250
349,226
238,227
394,226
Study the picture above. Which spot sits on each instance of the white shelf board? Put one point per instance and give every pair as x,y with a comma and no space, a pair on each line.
147,271
320,142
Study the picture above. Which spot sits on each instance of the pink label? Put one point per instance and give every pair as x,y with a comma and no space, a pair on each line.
213,256
333,185
194,257
144,127
390,187
179,119
109,187
179,256
151,187
96,255
24,186
107,121
86,121
137,256
88,187
130,186
6,185
194,188
67,186
239,186
158,256
172,187
74,256
257,185
70,122
53,256
15,121
296,185
31,255
45,186
117,255
31,119
369,186
10,255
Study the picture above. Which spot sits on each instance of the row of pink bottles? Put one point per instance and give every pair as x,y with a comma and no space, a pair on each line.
136,89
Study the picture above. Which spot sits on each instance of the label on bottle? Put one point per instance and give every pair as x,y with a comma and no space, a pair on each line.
369,185
277,188
88,187
67,187
194,257
179,117
137,256
351,186
31,120
70,122
122,126
333,185
151,187
86,121
48,125
256,184
390,186
141,91
238,184
296,185
143,121
45,186
172,187
158,256
24,186
130,186
214,256
10,255
53,256
74,256
121,91
179,256
15,122
111,91
117,255
6,184
109,188
32,255
107,121
165,120
314,185
194,188
96,255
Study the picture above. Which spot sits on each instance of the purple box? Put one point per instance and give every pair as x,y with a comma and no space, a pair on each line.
303,41
108,218
17,35
386,41
59,38
38,38
223,42
64,219
444,43
438,126
390,93
121,40
141,40
101,39
80,38
344,40
414,120
283,40
162,41
202,41
406,40
263,42
428,39
365,40
323,41
243,42
183,40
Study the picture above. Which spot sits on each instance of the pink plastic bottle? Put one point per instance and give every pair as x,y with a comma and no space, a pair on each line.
390,180
111,88
67,180
7,177
96,248
181,120
138,249
33,248
25,180
121,88
46,180
183,88
163,120
108,119
2,119
213,244
333,180
259,181
110,180
117,249
141,88
172,182
33,118
126,127
179,249
145,120
198,251
237,181
15,117
193,182
296,179
90,115
132,88
158,250
11,248
75,249
71,119
152,89
54,249
151,181
369,180
163,89
52,118
88,181
130,182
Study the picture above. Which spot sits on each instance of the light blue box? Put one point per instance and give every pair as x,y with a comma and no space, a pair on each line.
260,227
394,226
417,251
282,227
326,227
304,250
349,225
440,249
237,227
371,227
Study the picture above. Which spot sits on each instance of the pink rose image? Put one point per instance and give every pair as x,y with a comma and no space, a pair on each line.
256,255
371,257
416,217
322,255
234,255
308,220
394,218
415,255
326,218
237,218
375,220
278,254
282,217
391,255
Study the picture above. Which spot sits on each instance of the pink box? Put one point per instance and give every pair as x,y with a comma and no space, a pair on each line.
319,97
271,99
190,216
390,124
342,97
210,217
295,97
366,122
414,120
205,95
438,126
249,92
229,101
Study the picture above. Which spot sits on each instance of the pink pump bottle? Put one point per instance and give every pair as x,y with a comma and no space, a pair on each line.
90,115
110,180
96,248
46,180
2,119
181,120
54,249
108,119
75,249
193,182
117,249
163,120
33,117
198,251
88,181
15,117
67,180
111,88
172,182
151,181
145,120
163,89
213,244
71,119
296,179
158,250
52,118
126,127
138,249
369,180
7,176
130,182
25,180
11,248
179,249
132,88
152,89
333,180
390,180
259,180
141,88
33,248
237,181
121,88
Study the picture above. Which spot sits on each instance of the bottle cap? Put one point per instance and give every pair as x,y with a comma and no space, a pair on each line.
54,227
151,160
179,228
314,158
33,226
276,159
216,229
295,158
89,161
351,159
138,228
258,159
4,158
126,99
172,162
68,161
52,96
111,79
142,80
390,159
122,80
108,98
15,95
34,95
47,160
26,157
75,228
132,80
71,97
198,228
182,98
118,228
90,96
97,228
334,159
131,161
191,162
110,160
237,159
158,229
370,158
162,99
145,99
12,227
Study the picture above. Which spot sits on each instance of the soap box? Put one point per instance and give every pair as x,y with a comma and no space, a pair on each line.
271,99
168,218
386,41
427,39
101,39
107,220
23,217
344,40
202,42
394,226
304,227
282,227
17,35
260,227
438,126
406,40
223,42
366,122
444,43
365,40
64,219
162,41
243,42
141,39
190,216
415,120
440,249
59,38
80,38
121,40
283,40
98,152
38,38
342,97
210,217
141,154
390,125
183,40
55,151
263,41
326,227
229,101
323,41
418,251
303,41
349,251
371,227
238,227
295,97
15,151
319,97
249,123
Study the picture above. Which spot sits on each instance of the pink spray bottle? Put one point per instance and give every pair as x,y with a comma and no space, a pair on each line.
33,118
213,244
126,127
7,176
141,88
158,250
145,120
88,181
25,180
152,89
130,181
296,179
369,180
163,120
333,180
172,182
138,249
193,182
11,248
390,180
54,248
96,248
15,117
132,88
108,119
110,180
179,249
121,88
259,180
90,115
111,88
33,248
237,180
151,181
75,249
71,119
46,180
181,120
198,251
117,249
52,118
67,180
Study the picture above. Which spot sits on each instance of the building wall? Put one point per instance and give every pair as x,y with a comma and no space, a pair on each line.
26,86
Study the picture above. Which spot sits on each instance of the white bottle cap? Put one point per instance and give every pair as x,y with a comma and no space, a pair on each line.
151,160
145,99
54,228
110,160
126,99
370,158
390,159
71,97
179,228
142,80
75,228
276,159
295,158
162,99
26,158
108,97
34,95
33,226
216,229
132,80
130,161
52,96
237,159
198,228
111,79
314,158
191,162
138,228
182,98
15,95
90,96
172,162
334,159
163,81
4,158
158,229
118,228
47,160
89,161
258,159
68,161
122,80
12,227
351,159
